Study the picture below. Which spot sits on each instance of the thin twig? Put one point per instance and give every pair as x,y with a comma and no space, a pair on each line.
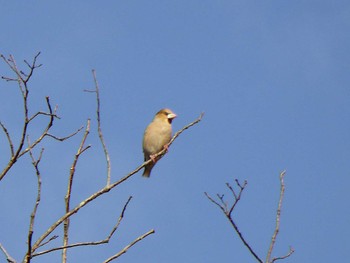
277,227
61,139
255,255
104,190
291,251
8,138
100,135
228,212
48,127
44,114
23,80
32,66
81,149
119,219
124,250
94,243
24,90
8,79
48,241
7,255
237,197
35,163
12,65
215,202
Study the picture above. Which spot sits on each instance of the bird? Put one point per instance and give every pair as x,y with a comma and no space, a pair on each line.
156,137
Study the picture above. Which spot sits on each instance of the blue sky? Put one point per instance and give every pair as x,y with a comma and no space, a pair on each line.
273,80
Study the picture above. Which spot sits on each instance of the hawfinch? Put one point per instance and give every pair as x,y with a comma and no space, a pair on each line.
156,137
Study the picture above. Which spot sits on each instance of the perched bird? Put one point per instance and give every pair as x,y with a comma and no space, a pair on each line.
156,137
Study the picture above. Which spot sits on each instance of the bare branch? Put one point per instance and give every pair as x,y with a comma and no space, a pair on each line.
120,219
237,197
106,240
24,90
44,114
234,225
46,242
291,251
32,67
124,250
48,127
35,163
46,131
277,227
100,135
104,190
222,204
23,79
12,65
7,255
8,138
8,79
81,149
216,203
228,212
61,139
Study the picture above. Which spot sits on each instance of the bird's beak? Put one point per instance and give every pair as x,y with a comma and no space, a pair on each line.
172,116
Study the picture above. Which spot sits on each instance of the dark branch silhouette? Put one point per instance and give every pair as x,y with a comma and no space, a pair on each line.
227,210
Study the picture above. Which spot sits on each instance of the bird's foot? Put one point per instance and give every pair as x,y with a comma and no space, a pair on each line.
166,147
153,157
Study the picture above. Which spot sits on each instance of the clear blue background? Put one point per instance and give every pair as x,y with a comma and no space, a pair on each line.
273,79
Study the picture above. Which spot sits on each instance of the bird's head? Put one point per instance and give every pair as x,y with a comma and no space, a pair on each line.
166,114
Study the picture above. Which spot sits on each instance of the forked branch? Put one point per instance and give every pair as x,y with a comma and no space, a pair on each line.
23,79
91,243
227,210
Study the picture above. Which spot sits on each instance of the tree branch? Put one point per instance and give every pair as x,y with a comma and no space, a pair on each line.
8,138
23,79
124,250
61,139
94,243
7,255
81,149
277,227
99,130
106,189
35,163
222,204
228,212
291,251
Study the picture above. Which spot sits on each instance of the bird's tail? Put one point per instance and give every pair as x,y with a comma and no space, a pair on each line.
147,171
